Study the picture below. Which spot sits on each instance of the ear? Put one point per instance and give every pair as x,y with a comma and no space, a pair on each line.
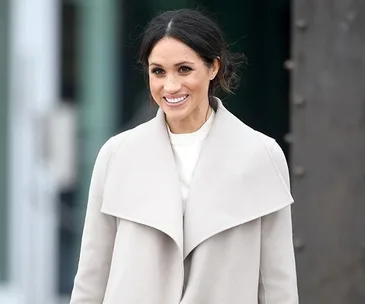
214,68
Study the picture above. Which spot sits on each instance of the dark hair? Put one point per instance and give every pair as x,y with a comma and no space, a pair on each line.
202,35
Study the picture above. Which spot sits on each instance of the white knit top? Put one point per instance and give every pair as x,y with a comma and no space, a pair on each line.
187,148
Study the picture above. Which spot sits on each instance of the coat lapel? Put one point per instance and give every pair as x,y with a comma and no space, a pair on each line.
142,183
234,182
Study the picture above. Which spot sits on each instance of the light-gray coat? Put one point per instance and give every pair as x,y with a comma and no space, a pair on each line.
233,244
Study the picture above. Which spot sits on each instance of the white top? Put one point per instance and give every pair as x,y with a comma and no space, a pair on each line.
187,148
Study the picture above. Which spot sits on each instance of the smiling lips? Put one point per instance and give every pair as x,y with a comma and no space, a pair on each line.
176,100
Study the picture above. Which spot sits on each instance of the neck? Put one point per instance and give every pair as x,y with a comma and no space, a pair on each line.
189,125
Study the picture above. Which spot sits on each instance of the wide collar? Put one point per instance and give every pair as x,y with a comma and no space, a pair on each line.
235,181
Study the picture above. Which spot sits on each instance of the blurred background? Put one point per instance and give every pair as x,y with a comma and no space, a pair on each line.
69,79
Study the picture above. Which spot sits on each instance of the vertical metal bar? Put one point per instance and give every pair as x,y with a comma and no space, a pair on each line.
98,89
33,67
4,30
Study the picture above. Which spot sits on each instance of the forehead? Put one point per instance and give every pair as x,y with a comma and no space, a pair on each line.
170,50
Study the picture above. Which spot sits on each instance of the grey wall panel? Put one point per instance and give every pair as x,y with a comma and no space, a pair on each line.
328,149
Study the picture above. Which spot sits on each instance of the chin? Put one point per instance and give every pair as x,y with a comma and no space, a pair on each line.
175,115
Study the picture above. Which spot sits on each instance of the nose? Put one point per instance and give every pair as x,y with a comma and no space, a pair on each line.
172,85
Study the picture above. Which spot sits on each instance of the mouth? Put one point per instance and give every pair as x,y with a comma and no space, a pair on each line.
176,101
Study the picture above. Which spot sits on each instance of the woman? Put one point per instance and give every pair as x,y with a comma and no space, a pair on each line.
192,207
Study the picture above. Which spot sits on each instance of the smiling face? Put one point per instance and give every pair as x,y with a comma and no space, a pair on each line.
179,82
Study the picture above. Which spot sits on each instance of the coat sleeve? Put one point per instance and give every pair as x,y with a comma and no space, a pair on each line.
278,282
97,239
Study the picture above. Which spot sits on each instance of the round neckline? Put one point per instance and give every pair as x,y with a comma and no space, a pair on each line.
186,138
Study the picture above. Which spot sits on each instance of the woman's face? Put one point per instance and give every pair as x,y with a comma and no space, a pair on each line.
179,81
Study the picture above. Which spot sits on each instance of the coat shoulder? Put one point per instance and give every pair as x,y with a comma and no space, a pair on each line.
263,141
277,156
112,145
242,128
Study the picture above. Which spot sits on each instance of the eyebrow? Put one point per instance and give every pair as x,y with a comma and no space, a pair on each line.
177,64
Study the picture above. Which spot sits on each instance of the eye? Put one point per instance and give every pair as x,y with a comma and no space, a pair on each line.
157,71
185,69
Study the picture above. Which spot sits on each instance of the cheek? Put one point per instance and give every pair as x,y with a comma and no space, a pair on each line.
199,83
154,84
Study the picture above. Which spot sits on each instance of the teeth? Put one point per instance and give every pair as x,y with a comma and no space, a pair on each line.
176,100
